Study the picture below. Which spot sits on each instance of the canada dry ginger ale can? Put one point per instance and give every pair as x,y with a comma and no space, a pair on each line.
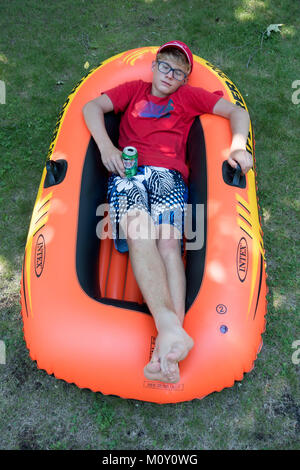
130,160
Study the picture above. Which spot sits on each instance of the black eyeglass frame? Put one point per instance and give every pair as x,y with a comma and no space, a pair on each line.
172,70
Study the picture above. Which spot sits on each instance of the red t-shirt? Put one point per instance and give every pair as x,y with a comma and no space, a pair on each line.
158,127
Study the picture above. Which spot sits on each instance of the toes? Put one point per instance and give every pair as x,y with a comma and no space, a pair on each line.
153,366
161,377
168,351
169,363
153,370
176,354
169,366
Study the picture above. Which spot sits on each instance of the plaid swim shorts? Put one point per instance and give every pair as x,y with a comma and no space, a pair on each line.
161,192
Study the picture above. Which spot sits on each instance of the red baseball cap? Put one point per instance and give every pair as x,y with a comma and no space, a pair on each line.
182,47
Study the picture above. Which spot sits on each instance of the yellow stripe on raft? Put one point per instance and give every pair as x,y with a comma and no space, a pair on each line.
33,229
254,231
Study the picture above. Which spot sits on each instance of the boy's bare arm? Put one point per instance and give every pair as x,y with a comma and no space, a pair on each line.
239,122
93,113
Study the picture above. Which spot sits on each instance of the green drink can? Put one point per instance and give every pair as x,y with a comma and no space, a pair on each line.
130,160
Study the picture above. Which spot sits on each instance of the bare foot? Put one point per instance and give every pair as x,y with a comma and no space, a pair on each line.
152,371
172,345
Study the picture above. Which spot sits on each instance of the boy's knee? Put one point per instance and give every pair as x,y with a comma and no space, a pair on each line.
168,232
169,242
138,225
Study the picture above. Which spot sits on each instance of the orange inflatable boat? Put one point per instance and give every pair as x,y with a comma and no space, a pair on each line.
84,317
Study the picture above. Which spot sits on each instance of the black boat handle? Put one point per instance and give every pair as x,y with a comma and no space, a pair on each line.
237,175
56,172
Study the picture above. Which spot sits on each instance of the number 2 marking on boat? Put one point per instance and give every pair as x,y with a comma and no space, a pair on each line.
221,308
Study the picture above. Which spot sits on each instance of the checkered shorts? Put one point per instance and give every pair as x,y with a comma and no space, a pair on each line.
161,192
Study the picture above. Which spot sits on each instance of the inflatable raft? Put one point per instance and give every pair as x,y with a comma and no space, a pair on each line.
84,317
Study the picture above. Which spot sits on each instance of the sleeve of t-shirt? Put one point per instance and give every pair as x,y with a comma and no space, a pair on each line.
121,95
199,101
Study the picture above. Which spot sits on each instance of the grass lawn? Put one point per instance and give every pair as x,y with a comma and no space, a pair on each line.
43,49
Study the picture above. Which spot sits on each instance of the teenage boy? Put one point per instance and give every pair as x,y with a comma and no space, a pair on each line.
156,119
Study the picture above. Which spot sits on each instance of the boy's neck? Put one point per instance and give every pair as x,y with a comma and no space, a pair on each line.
157,94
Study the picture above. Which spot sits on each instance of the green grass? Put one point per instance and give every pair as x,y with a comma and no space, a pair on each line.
43,49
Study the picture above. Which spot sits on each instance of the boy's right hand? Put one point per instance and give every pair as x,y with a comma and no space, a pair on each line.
112,160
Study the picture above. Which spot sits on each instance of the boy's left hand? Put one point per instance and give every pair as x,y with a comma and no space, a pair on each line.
243,157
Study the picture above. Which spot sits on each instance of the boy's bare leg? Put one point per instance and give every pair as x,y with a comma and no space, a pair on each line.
172,343
169,246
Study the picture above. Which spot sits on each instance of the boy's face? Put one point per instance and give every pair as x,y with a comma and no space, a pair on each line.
164,84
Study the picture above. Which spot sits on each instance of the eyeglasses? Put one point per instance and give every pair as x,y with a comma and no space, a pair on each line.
165,68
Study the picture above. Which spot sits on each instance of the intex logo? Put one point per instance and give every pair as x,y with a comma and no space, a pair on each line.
40,248
242,259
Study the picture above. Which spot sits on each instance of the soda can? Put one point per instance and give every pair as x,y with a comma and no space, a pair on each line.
130,160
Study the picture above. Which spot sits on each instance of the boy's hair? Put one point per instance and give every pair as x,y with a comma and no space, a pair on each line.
175,54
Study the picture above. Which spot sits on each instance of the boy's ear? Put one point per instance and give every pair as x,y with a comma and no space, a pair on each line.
153,65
